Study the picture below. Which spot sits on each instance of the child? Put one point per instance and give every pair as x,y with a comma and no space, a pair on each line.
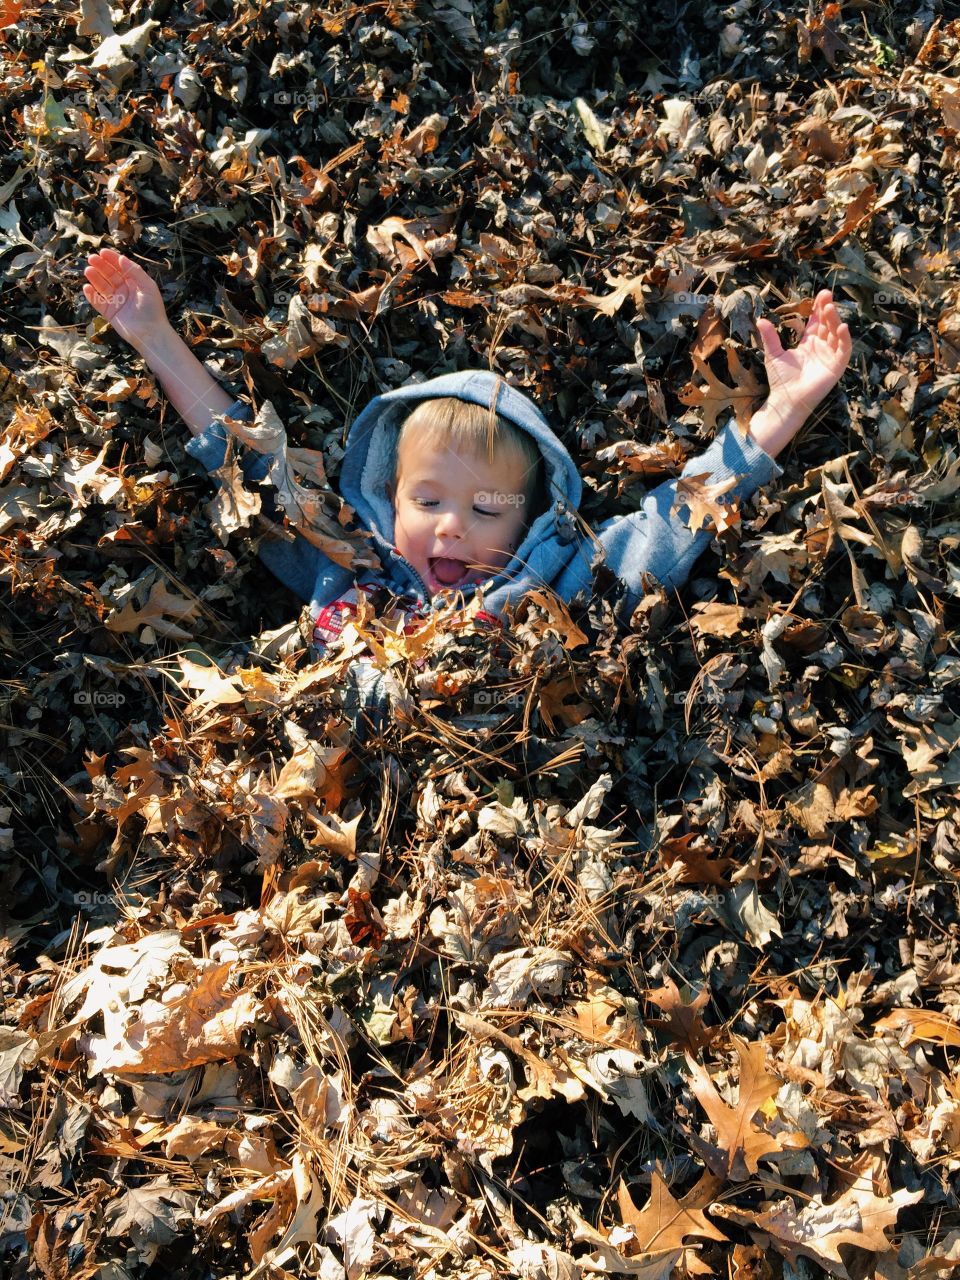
460,480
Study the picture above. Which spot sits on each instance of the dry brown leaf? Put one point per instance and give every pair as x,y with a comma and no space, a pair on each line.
683,1023
234,504
704,508
204,1025
711,618
161,605
558,618
858,1218
713,396
741,1143
663,1223
921,1024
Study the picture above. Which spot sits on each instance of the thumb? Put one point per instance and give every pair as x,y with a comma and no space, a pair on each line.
770,338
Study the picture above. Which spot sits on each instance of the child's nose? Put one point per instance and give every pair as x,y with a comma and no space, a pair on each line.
450,524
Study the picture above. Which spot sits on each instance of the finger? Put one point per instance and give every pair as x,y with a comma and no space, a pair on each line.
770,338
811,329
99,268
103,284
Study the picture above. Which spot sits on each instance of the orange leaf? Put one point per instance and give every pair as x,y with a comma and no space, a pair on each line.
703,504
663,1223
922,1024
683,1023
10,11
205,1025
741,1142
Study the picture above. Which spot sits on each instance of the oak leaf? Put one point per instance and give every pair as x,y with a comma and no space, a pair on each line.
822,34
741,1143
683,1023
558,618
233,505
698,866
714,396
703,503
859,1218
663,1223
161,606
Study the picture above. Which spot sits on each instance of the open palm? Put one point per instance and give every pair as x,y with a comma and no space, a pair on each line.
125,295
800,377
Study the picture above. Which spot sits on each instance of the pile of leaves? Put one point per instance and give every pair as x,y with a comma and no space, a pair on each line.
620,946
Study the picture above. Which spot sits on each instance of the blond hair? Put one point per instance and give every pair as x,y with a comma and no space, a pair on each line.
476,430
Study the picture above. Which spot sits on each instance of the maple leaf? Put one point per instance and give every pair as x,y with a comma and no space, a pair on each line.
683,1023
703,505
663,1223
150,1215
715,396
821,34
205,1025
741,1143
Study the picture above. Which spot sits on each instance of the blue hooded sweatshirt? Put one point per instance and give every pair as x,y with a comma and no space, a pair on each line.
558,550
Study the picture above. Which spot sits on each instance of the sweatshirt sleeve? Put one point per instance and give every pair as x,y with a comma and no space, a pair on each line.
296,563
654,541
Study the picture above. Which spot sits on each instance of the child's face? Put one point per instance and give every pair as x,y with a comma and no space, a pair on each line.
457,518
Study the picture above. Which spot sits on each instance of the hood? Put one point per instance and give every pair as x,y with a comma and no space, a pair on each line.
370,461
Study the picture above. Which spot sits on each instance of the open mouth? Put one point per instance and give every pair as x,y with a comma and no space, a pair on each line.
446,574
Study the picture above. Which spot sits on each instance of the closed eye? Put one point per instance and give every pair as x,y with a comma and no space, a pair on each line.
424,502
480,512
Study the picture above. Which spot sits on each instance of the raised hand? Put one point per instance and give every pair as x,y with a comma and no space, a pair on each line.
799,378
125,295
803,375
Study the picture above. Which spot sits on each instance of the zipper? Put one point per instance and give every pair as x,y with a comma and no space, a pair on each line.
427,599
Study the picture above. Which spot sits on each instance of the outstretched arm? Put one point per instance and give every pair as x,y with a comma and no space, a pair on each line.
658,539
800,377
126,296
